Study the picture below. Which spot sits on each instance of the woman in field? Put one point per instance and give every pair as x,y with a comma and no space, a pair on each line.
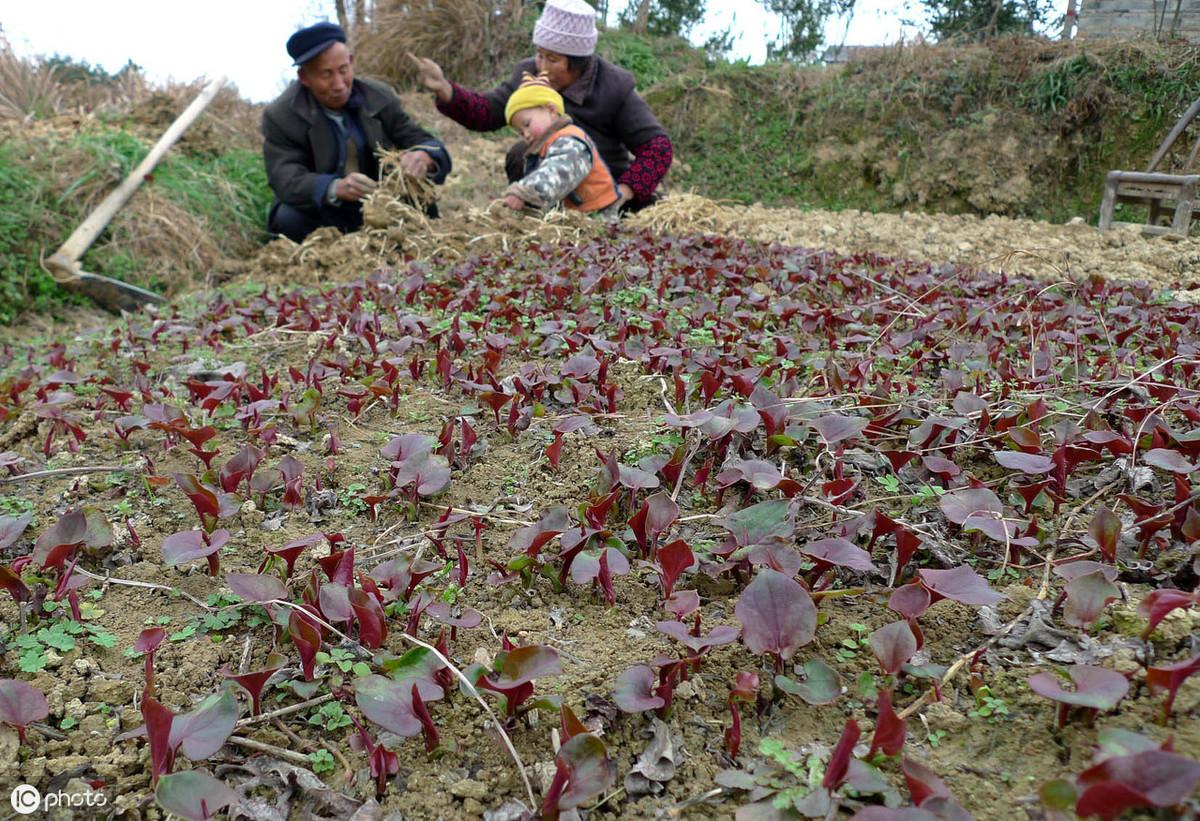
598,96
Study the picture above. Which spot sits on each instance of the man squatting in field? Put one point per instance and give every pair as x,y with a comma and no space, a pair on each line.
321,134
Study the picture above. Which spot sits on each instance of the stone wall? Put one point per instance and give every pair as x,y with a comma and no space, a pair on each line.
1136,18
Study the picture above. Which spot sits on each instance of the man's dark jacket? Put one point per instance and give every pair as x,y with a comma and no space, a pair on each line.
303,152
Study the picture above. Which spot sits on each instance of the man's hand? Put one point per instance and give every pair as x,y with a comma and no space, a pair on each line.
353,187
626,194
417,164
430,75
514,202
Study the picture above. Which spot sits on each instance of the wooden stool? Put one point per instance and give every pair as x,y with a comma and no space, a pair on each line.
1161,192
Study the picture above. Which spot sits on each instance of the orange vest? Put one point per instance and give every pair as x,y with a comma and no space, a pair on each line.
598,189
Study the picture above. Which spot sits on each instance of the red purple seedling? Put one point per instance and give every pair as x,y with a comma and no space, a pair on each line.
399,706
211,505
778,616
890,729
21,704
254,681
306,636
582,772
893,645
188,545
1158,604
1135,773
1096,689
657,513
1088,591
514,673
744,691
147,642
383,763
193,795
198,733
635,691
1170,677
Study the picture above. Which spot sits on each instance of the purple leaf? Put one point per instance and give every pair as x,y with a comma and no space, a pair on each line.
722,634
1152,778
256,587
1170,677
193,794
957,505
962,584
389,703
524,664
910,600
531,538
1073,570
759,473
682,603
673,559
583,772
1105,529
634,690
1096,688
636,479
839,552
334,601
239,468
426,472
187,545
1087,596
1159,603
149,639
1031,463
11,528
469,618
834,428
203,731
893,644
761,523
1168,460
404,447
57,542
21,704
777,615
839,759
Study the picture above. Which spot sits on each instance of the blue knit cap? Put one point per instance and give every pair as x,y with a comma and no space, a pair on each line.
307,43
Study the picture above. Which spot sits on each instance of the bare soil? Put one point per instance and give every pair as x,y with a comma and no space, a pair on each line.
993,766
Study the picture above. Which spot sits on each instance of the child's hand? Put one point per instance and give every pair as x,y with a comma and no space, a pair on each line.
514,202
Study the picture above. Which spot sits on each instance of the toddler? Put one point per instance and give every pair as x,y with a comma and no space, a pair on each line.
562,164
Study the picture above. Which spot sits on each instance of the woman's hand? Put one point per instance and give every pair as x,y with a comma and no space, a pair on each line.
514,202
430,75
626,194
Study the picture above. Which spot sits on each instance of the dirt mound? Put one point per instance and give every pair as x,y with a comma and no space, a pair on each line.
998,243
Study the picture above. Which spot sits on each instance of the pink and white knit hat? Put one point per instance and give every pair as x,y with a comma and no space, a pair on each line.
567,27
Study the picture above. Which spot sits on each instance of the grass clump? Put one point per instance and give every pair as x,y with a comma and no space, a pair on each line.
196,210
1018,127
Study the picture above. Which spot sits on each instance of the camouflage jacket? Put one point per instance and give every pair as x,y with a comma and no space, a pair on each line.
551,179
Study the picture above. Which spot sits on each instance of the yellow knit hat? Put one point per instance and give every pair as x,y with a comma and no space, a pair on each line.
533,92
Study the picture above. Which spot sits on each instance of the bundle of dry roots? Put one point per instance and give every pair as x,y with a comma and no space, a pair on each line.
396,228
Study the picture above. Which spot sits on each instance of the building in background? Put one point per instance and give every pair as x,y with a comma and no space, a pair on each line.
1165,19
